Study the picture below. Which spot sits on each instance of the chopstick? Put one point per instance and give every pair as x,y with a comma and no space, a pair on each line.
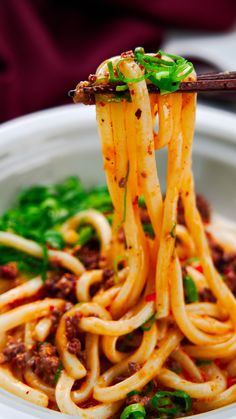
212,82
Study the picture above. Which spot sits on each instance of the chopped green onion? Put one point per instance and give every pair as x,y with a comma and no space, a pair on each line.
149,323
85,234
122,88
192,260
172,231
178,401
133,393
58,373
201,362
112,77
190,289
133,411
164,70
125,199
54,239
148,228
126,79
141,202
45,262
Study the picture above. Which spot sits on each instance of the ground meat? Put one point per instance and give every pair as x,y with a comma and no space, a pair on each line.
203,208
55,316
9,271
61,285
45,362
225,263
89,255
107,278
133,367
205,295
121,235
145,219
137,398
74,345
15,352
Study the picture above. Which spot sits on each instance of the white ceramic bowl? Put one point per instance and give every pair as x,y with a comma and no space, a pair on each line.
48,146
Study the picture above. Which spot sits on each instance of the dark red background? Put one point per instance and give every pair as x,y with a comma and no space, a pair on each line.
47,46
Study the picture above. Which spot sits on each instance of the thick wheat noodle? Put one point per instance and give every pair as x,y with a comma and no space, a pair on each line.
72,364
98,221
219,350
141,355
165,120
66,404
222,399
93,362
208,389
105,298
194,223
42,329
104,392
15,386
184,322
25,290
211,325
25,313
187,364
138,263
34,381
205,308
32,248
147,171
117,327
167,240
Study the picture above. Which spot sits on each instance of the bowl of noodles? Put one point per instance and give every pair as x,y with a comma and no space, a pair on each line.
117,279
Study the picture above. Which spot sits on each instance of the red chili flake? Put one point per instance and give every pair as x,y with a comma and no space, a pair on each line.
150,297
149,149
135,200
143,174
122,182
9,271
51,308
92,78
231,381
138,113
198,268
101,103
218,362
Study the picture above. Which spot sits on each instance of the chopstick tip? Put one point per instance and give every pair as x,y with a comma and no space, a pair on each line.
71,93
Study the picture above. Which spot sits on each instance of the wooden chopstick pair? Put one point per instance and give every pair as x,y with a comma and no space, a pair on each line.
211,82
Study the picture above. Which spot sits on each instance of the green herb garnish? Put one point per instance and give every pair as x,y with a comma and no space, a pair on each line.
133,393
149,323
171,403
166,71
172,231
190,289
202,362
38,213
86,233
45,263
134,411
58,373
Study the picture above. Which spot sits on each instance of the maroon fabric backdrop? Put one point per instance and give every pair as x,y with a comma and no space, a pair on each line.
46,46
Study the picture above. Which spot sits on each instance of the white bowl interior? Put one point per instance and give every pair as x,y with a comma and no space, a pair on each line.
50,145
